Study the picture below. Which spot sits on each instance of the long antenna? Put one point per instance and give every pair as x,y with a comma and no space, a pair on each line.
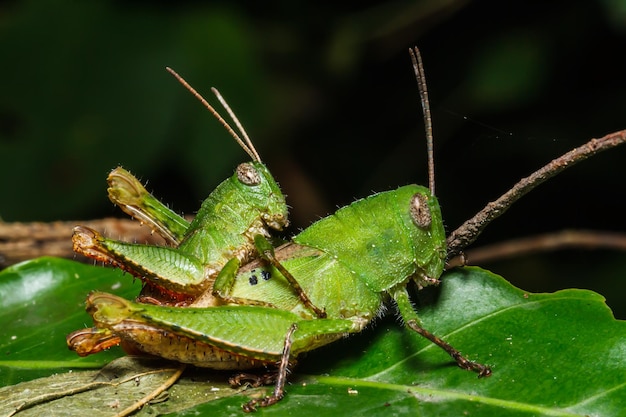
247,144
236,120
418,68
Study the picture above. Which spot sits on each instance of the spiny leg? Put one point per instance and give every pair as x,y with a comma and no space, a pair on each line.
130,195
279,389
252,380
463,362
163,266
266,251
411,319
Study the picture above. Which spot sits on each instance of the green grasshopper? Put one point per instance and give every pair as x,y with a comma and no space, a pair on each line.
350,264
247,204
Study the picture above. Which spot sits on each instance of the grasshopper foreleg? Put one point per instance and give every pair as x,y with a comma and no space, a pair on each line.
266,251
412,321
462,361
281,377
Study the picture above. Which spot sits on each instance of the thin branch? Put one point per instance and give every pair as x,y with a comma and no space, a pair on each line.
565,239
22,241
467,233
156,392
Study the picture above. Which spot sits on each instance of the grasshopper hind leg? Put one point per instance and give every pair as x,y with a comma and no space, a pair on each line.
253,380
280,376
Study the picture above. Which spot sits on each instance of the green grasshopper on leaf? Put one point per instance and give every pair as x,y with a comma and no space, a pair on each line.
246,205
331,280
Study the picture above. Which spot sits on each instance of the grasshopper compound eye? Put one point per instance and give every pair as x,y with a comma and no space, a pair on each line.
248,174
420,213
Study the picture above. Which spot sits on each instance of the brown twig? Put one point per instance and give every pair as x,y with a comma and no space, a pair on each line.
156,392
22,241
472,228
565,239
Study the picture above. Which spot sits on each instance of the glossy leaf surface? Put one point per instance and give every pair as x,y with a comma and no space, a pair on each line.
43,300
559,354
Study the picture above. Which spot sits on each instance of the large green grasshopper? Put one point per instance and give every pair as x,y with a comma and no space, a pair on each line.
332,279
240,208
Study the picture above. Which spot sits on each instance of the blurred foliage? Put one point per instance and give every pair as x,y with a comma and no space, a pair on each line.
326,91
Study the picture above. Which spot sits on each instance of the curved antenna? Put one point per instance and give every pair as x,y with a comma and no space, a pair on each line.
247,144
418,68
237,123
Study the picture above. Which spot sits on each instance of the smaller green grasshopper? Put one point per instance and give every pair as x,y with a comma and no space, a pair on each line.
247,204
350,264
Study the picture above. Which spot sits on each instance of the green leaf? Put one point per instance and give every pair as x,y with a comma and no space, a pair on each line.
119,384
560,354
41,301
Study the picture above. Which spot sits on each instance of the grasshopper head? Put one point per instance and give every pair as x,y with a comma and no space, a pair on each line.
263,194
428,234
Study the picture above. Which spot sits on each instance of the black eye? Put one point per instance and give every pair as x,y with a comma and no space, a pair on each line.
248,175
420,211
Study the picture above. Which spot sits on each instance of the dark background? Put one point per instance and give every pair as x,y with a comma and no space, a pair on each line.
327,93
